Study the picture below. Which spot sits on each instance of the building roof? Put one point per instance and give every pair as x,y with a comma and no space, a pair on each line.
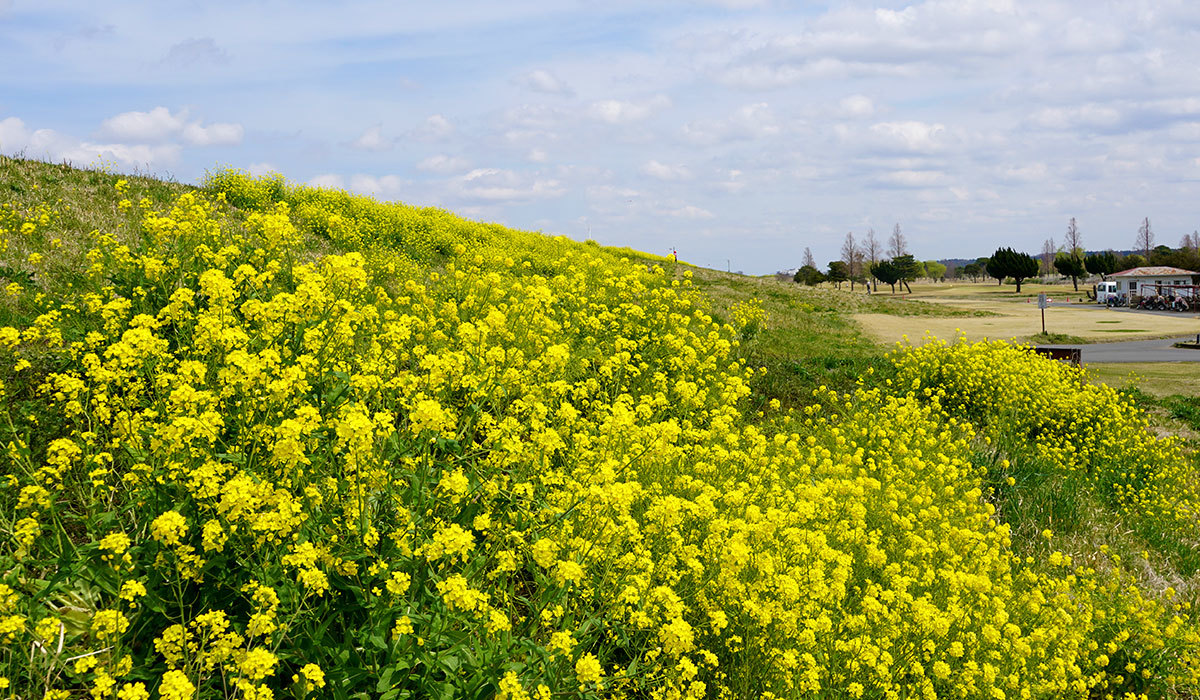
1153,271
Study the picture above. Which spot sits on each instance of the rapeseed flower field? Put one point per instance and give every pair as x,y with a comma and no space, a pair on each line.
276,441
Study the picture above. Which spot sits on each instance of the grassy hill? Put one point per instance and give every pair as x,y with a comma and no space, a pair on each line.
267,440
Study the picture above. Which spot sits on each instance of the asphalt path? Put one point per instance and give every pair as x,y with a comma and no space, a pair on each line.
1161,350
1123,309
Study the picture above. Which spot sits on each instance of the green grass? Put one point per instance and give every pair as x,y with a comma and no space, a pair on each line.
810,339
1057,339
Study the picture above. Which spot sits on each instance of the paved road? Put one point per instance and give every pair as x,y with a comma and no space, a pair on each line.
1125,310
1138,351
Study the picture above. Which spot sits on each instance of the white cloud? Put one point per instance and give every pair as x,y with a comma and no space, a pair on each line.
752,121
1032,172
435,127
387,186
912,178
859,115
259,169
160,125
328,180
15,137
915,136
689,212
1089,115
661,171
856,106
213,135
499,185
144,127
626,112
443,164
544,81
136,155
372,139
733,182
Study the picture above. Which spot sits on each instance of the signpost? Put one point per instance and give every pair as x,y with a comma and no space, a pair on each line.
1042,305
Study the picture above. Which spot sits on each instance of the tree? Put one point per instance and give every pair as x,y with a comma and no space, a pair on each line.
839,272
935,270
1103,264
995,268
809,275
852,255
1049,250
897,244
1145,239
1073,241
1131,261
1023,267
972,270
1069,266
908,268
1191,241
809,260
886,271
871,247
1006,262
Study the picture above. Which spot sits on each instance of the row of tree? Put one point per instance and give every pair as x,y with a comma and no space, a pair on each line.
860,261
895,265
1070,260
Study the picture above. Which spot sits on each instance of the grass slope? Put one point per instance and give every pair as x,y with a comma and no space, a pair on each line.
437,457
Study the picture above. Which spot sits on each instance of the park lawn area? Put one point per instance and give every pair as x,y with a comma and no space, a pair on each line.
1024,322
1017,317
992,292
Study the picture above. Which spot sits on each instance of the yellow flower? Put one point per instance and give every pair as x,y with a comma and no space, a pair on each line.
169,528
403,626
588,669
133,691
176,686
257,664
311,675
109,624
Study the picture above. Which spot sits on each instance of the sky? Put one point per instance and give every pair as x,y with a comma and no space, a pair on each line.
738,132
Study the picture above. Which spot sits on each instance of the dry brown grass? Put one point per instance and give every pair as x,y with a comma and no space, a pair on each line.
1022,321
1157,378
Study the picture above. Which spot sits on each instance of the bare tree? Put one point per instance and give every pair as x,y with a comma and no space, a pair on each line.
852,256
1145,238
871,247
897,245
1191,241
1048,252
1073,241
809,259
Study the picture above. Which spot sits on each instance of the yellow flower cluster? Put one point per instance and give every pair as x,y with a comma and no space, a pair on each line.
1047,412
441,462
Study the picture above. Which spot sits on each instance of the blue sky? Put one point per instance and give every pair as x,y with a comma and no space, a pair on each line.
736,130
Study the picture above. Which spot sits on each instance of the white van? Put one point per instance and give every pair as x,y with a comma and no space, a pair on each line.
1104,290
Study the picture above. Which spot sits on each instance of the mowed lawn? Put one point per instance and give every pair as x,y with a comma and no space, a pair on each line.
1017,316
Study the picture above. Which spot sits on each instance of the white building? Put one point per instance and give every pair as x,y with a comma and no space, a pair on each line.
1158,279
